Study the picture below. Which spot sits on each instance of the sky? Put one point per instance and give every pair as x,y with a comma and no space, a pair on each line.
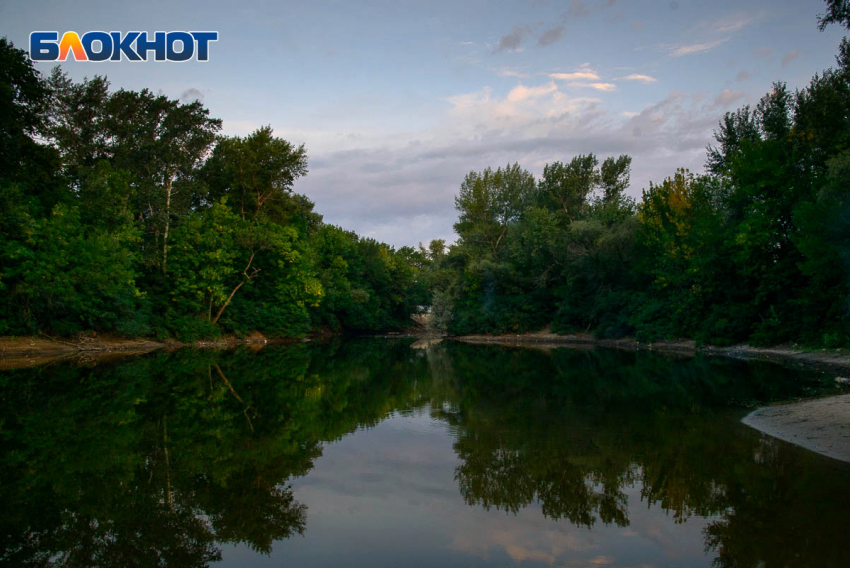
396,101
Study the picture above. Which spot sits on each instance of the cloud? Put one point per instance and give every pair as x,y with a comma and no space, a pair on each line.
609,3
521,92
597,86
613,18
638,77
399,186
727,97
513,40
720,30
577,76
578,9
789,57
731,24
510,72
682,50
586,78
191,95
743,76
637,26
762,52
550,36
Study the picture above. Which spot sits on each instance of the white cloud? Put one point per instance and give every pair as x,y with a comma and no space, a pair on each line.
521,92
682,50
598,86
638,77
577,76
731,24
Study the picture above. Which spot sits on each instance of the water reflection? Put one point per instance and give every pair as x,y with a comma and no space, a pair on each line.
188,458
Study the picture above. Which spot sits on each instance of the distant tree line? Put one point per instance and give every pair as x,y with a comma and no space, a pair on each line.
127,211
757,249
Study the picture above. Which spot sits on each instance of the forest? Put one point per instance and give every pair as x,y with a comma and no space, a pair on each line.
128,212
755,250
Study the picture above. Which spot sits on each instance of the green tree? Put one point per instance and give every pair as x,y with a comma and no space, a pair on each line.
256,174
489,202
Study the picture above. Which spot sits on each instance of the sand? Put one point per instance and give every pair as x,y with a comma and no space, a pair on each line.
821,425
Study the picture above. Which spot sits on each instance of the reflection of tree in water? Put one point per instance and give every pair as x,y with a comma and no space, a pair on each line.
161,460
573,430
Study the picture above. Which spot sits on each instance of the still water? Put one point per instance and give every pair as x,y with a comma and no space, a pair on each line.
375,453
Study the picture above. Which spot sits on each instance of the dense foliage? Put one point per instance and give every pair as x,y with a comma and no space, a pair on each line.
757,249
128,212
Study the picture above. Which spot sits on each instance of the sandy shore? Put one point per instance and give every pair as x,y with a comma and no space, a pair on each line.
821,425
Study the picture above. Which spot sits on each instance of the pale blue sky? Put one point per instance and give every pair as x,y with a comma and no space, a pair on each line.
397,100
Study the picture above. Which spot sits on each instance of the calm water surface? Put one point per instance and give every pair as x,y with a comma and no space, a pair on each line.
374,453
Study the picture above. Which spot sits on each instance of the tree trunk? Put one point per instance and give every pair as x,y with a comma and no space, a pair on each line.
168,181
233,292
226,302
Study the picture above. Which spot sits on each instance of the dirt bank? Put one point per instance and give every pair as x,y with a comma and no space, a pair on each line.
19,352
821,425
837,361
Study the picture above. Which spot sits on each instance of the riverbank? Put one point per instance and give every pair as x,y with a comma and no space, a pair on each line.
821,425
837,361
21,352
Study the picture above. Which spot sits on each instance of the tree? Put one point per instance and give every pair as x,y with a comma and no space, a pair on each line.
159,139
614,178
837,12
256,174
568,187
216,253
489,202
23,101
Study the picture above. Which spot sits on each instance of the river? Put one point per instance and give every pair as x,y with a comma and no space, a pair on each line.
373,453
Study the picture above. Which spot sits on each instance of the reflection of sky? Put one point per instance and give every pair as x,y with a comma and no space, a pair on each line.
386,496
